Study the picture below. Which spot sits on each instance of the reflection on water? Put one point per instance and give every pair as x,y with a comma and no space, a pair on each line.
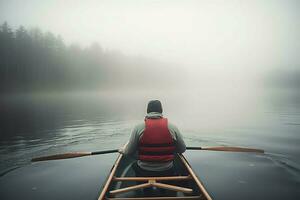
48,124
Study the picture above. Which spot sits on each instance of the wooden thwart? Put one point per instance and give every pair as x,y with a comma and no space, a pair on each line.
173,187
152,183
165,178
127,189
156,198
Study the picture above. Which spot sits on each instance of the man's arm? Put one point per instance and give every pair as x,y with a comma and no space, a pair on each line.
132,145
180,145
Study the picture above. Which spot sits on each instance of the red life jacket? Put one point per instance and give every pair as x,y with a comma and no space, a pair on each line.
156,144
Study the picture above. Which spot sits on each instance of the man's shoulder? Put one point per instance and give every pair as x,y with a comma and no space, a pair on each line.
140,124
172,126
139,127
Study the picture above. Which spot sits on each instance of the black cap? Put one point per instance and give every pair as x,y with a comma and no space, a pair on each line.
154,106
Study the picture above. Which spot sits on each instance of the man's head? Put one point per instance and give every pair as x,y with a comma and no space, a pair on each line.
154,106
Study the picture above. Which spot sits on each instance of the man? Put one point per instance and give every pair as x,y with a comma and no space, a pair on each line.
154,142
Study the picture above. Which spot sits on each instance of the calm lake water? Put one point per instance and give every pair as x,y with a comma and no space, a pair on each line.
35,125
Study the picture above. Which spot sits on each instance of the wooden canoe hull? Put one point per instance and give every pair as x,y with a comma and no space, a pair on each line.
122,184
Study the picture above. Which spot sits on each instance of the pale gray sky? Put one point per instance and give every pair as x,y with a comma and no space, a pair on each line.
223,36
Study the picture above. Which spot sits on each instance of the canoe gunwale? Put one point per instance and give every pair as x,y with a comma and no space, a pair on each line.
110,177
196,179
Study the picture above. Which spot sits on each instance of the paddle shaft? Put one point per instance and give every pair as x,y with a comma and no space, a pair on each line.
230,149
104,152
72,155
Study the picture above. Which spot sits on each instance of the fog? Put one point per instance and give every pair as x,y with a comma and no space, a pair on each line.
224,38
221,55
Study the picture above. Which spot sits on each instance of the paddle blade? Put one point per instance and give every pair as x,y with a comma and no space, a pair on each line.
62,156
231,149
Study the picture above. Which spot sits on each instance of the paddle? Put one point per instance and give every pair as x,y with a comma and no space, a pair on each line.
72,155
81,154
231,149
75,154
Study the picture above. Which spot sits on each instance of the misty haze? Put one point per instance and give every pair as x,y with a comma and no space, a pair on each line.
76,76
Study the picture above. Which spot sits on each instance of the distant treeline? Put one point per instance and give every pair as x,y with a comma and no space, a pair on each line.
31,60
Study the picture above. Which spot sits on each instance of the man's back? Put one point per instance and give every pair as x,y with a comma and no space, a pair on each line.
132,147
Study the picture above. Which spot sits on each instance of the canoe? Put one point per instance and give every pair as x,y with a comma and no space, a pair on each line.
122,184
